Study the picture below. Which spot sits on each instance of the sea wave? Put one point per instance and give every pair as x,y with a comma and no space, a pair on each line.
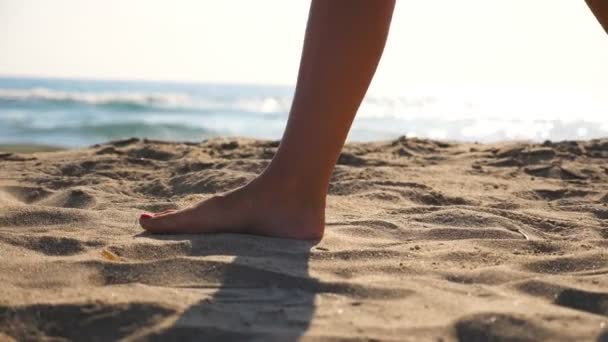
141,101
126,99
445,106
87,134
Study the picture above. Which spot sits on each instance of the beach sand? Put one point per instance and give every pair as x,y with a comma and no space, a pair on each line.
425,241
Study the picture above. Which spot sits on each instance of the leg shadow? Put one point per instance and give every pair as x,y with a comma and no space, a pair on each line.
264,294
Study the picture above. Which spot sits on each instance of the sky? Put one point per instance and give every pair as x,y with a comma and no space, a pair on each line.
539,43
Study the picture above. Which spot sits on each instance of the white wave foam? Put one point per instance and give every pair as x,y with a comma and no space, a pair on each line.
164,100
105,98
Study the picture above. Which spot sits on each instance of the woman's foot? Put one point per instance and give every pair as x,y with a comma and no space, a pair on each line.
260,208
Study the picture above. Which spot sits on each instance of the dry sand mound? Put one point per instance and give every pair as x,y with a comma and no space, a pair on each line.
425,240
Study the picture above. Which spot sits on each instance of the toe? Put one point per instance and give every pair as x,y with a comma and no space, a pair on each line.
166,222
165,212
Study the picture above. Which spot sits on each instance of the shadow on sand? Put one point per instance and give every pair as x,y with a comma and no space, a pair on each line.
264,294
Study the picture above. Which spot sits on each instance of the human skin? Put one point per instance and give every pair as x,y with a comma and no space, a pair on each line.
342,47
600,10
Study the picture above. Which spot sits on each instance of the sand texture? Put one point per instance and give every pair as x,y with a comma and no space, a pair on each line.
425,241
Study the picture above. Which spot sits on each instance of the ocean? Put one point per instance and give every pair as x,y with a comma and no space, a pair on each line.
75,113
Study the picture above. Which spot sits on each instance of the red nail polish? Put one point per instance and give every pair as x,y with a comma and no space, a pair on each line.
145,216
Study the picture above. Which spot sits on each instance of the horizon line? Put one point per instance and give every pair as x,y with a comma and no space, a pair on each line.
142,80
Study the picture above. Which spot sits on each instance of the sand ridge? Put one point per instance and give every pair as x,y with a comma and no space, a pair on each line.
425,240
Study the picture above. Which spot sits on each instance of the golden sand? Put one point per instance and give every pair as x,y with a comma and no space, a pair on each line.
425,241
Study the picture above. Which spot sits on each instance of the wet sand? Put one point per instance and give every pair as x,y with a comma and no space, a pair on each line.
425,241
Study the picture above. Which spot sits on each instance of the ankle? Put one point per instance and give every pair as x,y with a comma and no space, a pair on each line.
290,191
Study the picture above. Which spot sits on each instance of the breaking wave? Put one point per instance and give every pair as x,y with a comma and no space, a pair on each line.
140,101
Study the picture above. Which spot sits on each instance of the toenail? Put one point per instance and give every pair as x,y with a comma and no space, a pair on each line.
145,216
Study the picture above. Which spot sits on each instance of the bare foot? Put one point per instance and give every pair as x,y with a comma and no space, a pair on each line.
256,208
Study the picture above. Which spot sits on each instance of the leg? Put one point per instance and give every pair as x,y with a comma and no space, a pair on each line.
600,10
342,47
